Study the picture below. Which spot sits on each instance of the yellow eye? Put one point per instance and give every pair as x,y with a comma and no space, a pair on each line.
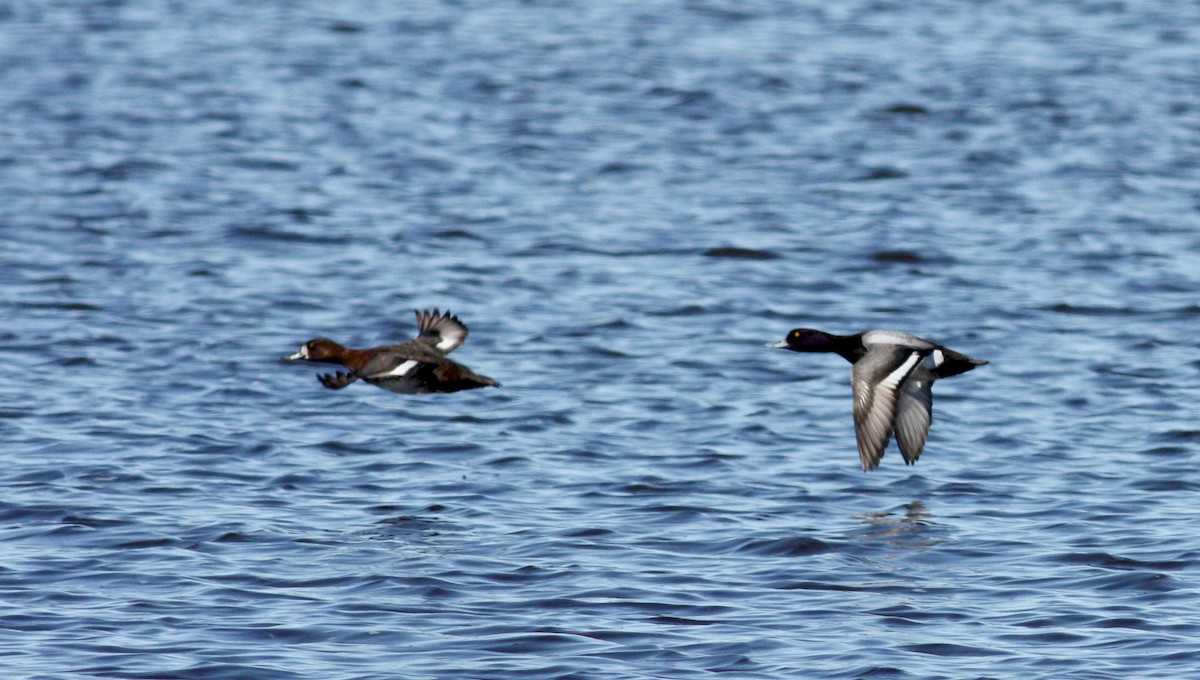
795,334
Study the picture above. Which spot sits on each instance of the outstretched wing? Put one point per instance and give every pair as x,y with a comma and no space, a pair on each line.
876,379
914,413
443,331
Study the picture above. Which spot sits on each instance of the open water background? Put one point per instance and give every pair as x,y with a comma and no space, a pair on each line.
625,201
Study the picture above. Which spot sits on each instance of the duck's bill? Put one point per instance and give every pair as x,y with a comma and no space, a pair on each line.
782,344
300,354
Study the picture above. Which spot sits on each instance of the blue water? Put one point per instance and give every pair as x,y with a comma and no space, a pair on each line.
625,201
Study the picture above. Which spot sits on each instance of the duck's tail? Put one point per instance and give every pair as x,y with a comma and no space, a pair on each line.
953,363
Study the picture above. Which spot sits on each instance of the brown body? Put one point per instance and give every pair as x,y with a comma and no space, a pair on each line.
417,366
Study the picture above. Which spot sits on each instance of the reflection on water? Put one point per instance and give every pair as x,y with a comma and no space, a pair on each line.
910,529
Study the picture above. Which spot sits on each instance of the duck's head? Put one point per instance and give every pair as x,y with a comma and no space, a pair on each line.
805,340
318,349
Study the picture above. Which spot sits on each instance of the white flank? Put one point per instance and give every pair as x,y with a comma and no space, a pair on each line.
399,371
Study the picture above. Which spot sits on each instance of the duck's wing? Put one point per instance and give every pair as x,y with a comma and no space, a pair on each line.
876,379
399,361
914,413
443,331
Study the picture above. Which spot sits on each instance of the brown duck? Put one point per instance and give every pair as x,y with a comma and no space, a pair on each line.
417,366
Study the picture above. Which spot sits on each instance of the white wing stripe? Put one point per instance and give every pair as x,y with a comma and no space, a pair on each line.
897,376
399,371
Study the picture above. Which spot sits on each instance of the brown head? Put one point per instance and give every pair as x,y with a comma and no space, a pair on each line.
319,349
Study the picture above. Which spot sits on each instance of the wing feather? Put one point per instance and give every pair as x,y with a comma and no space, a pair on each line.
876,379
400,371
914,413
443,331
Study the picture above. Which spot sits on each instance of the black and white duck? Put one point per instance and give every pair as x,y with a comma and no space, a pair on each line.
892,377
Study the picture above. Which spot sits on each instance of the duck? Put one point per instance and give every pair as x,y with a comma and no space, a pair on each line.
892,378
416,366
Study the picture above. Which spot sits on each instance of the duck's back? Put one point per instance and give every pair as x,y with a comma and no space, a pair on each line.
896,339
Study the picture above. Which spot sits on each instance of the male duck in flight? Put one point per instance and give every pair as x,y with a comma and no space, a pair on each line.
893,376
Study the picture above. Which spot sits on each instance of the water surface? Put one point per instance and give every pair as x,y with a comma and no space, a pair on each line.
624,201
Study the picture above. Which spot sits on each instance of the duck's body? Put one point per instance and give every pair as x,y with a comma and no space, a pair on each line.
417,366
892,377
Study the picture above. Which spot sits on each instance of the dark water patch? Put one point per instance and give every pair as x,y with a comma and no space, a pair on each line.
126,169
36,477
292,481
145,543
736,253
542,249
1139,582
589,532
680,621
1136,624
619,168
913,614
1181,436
905,109
349,448
691,104
209,670
1108,561
458,235
266,234
93,522
953,650
542,642
1091,310
508,461
467,418
814,585
345,27
910,257
607,352
303,215
882,172
788,546
873,672
613,325
72,306
1165,485
685,310
263,163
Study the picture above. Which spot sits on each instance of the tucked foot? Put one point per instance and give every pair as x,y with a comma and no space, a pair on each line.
337,381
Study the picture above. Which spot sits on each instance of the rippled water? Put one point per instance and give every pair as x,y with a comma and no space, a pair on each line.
625,201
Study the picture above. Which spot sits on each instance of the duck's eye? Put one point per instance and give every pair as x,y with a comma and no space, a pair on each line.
795,334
